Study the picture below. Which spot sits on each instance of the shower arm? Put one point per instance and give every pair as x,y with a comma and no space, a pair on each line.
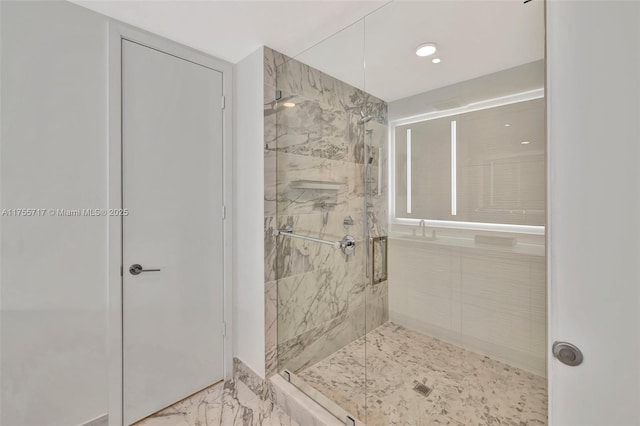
347,244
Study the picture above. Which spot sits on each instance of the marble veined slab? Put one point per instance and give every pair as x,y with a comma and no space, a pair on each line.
223,404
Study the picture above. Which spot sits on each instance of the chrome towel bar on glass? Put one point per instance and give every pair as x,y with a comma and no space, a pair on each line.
348,243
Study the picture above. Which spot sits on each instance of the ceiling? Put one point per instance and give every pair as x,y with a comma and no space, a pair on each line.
474,37
233,29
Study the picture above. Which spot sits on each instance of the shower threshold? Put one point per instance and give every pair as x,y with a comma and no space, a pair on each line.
331,406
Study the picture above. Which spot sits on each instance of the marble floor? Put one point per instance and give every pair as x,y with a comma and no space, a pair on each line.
223,404
467,388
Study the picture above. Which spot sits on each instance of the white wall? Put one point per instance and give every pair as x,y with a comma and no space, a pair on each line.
54,270
593,91
249,324
53,277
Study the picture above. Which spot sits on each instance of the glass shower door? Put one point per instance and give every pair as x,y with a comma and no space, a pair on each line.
318,227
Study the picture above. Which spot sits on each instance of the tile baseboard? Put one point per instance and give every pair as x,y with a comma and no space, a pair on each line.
242,372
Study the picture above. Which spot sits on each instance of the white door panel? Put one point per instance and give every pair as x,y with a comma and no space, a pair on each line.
172,188
593,73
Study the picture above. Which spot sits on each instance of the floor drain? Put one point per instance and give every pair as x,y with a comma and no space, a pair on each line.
423,390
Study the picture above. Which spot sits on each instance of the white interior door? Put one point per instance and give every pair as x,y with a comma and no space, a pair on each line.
172,189
594,161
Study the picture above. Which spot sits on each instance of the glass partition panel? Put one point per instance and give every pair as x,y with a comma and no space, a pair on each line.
464,337
321,249
436,169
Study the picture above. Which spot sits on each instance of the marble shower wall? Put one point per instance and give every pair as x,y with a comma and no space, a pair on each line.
318,300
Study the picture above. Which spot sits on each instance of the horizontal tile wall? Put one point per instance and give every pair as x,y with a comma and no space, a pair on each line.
491,300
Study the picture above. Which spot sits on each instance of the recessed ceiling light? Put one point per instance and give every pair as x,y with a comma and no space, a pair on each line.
426,49
525,142
436,60
289,104
507,125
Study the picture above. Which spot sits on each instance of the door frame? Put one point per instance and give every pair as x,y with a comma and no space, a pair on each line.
116,32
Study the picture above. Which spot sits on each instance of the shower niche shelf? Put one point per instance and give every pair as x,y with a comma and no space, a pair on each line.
322,185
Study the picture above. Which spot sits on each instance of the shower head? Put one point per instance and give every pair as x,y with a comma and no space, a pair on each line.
364,118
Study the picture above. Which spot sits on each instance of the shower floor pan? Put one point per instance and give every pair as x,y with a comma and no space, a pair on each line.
466,388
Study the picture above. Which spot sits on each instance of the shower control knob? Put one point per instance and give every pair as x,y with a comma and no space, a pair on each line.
348,245
567,353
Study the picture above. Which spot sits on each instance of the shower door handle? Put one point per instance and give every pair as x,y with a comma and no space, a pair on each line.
136,269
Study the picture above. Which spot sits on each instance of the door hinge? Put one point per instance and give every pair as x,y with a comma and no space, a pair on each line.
121,271
223,102
224,212
224,329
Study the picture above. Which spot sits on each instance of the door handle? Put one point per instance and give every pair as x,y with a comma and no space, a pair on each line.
136,269
567,353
